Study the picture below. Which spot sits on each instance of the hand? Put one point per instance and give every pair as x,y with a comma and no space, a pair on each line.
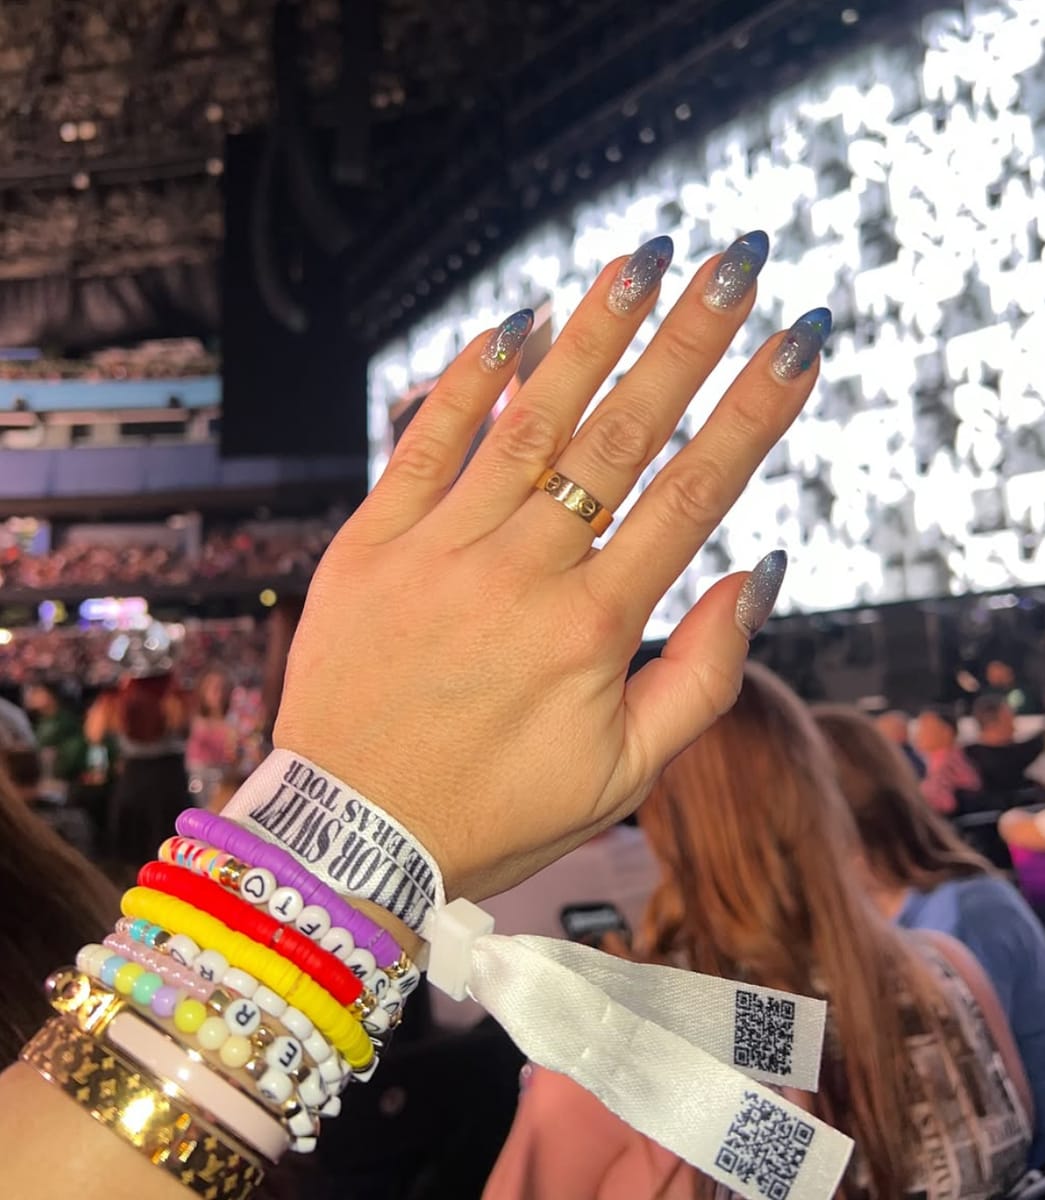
462,655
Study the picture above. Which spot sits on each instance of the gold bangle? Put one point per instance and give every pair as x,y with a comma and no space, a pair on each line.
136,1108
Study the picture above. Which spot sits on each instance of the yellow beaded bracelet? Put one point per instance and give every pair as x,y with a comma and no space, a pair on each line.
341,1026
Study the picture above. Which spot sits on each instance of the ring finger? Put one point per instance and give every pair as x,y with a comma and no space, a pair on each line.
631,425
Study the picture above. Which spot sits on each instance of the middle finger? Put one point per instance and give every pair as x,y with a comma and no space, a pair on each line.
627,430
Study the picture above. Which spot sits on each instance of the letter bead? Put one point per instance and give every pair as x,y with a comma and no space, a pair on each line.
243,1016
275,1086
258,885
239,981
313,922
211,965
330,1070
338,941
285,904
284,1054
183,949
312,1090
361,963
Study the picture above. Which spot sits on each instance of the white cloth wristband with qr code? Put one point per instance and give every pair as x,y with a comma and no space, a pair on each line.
681,1057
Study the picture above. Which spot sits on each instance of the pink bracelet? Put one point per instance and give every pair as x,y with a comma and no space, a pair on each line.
190,1074
170,971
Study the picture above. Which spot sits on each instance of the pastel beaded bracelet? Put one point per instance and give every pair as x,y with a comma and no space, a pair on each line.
334,1070
230,1027
162,946
207,896
340,1025
258,886
368,935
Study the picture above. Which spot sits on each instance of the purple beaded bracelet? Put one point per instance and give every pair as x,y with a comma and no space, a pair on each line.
234,839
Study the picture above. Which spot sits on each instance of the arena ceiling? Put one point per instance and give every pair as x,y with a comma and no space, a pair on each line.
452,122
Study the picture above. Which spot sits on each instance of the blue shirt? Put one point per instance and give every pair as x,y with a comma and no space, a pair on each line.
991,917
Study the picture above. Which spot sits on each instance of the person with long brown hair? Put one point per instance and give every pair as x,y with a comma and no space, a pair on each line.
762,882
54,902
924,877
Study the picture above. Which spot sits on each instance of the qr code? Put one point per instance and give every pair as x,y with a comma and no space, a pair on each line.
763,1033
765,1143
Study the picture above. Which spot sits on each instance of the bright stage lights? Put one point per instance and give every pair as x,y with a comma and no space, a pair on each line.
903,187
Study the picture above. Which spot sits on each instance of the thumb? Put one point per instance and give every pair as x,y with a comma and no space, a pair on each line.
697,678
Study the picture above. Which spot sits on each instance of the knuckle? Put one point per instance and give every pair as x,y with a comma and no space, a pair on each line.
717,687
621,439
420,456
684,346
694,495
528,435
585,344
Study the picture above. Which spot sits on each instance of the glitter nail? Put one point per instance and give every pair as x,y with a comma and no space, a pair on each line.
640,275
803,342
737,270
506,340
759,593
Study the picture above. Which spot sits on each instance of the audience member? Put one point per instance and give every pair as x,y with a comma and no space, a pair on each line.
1024,834
1000,677
950,777
212,746
59,734
1000,760
762,882
895,727
53,891
924,877
152,786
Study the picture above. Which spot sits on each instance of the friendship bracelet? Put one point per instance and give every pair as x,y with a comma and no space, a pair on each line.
142,935
230,1027
173,977
340,1025
318,1049
171,1135
207,896
258,886
105,1016
367,934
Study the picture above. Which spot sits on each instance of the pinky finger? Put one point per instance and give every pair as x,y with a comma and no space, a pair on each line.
432,451
697,678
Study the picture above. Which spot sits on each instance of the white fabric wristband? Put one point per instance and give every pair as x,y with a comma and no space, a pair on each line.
681,1057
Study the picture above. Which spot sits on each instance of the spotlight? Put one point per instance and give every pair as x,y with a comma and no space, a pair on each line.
850,16
683,112
215,167
647,136
583,170
81,181
87,131
613,154
68,132
455,262
213,112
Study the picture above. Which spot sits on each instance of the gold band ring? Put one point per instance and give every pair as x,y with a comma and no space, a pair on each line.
572,496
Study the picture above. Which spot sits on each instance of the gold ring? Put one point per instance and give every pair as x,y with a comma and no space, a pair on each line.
572,496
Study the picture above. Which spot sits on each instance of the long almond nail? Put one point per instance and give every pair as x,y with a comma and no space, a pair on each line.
640,275
507,340
737,270
803,342
759,593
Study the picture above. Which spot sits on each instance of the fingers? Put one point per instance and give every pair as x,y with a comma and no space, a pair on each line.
684,503
532,431
631,425
697,678
431,452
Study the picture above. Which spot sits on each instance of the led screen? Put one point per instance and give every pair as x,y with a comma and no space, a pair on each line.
903,186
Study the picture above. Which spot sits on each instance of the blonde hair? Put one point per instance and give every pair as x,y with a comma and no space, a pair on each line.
762,882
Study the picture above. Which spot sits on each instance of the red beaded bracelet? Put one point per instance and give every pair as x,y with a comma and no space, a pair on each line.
209,897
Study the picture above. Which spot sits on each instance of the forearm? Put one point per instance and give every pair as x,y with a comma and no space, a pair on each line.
54,1150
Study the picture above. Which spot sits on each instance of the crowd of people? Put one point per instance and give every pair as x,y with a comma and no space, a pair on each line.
244,554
